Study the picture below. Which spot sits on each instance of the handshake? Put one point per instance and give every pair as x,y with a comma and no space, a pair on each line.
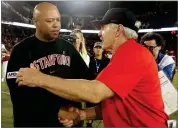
71,116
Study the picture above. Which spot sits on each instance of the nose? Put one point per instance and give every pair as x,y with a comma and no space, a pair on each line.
56,24
99,34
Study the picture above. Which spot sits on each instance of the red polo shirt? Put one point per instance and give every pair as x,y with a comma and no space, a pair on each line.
133,76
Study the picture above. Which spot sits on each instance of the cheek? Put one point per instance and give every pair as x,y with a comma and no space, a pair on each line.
156,50
99,51
44,27
47,26
77,40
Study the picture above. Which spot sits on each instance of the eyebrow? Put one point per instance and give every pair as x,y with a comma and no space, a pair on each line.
53,18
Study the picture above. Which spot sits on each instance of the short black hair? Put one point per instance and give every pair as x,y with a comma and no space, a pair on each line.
154,36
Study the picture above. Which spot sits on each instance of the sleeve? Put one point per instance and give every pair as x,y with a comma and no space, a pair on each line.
168,70
79,67
123,76
17,60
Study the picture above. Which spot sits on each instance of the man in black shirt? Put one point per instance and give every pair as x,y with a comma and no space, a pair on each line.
37,107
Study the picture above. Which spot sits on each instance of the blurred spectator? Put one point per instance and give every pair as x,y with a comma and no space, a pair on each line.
79,44
155,43
98,61
16,40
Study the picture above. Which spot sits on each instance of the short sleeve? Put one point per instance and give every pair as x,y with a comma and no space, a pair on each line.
120,80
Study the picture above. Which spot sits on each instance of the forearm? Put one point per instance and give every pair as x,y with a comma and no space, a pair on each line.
64,95
77,90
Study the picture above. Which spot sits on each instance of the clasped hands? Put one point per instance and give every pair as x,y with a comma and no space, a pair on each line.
71,116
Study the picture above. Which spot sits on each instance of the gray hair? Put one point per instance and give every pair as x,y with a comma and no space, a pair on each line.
129,33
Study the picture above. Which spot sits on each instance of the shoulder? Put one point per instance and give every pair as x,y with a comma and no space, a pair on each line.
133,53
68,47
133,50
25,43
64,42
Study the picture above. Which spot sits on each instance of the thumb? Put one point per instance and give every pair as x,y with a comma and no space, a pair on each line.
77,110
32,66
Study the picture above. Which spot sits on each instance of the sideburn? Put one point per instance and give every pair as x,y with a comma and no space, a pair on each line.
47,36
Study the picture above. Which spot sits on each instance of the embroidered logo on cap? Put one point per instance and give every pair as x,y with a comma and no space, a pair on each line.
114,20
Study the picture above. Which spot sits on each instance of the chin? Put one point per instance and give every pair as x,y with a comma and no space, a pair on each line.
77,43
54,37
106,48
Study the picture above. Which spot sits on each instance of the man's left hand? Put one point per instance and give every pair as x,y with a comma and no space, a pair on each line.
30,77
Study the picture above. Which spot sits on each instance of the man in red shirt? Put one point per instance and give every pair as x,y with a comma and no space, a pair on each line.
128,87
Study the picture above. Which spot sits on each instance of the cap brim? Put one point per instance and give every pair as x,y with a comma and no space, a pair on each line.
97,23
97,46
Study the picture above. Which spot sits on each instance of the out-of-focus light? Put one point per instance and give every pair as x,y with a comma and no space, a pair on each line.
173,32
92,31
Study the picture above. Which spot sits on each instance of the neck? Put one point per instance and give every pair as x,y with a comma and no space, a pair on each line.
118,43
39,36
77,48
99,57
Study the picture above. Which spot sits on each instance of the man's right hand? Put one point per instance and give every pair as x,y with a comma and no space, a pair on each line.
81,112
70,119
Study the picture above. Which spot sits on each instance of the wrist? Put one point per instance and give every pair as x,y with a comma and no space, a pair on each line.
42,81
83,115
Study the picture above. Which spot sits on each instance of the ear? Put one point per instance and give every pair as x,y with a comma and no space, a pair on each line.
34,21
119,29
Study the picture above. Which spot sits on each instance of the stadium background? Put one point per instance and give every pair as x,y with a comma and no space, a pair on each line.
78,14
